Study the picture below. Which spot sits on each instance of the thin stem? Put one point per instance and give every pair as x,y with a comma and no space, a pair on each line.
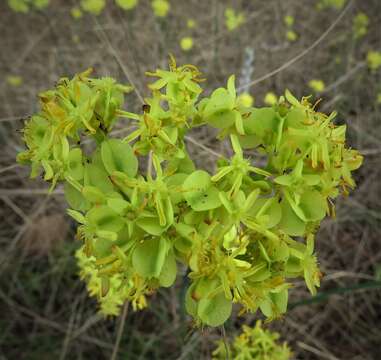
120,331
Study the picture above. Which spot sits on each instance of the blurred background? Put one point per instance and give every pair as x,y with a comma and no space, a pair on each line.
329,49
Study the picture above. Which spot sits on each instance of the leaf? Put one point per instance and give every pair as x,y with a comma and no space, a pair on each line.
48,170
77,216
174,183
75,165
226,202
102,247
214,311
290,223
190,303
149,256
108,235
104,218
222,119
262,123
119,156
264,252
266,307
219,101
95,175
231,86
208,200
117,204
168,273
151,225
280,300
313,205
295,118
286,180
74,198
218,111
93,194
199,193
291,98
269,207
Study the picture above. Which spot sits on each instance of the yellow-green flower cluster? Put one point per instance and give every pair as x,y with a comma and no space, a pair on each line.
254,343
111,292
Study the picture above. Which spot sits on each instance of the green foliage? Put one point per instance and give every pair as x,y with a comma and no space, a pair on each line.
242,231
253,344
24,6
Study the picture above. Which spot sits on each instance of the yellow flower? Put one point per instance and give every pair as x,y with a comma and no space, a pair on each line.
291,35
94,7
76,12
335,4
289,20
186,43
270,99
373,59
245,100
360,25
233,20
160,7
127,4
316,85
14,80
191,23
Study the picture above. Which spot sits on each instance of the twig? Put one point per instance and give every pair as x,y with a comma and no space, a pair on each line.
10,167
315,351
205,148
120,331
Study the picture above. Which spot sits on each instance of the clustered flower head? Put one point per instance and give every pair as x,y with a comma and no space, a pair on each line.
243,230
254,343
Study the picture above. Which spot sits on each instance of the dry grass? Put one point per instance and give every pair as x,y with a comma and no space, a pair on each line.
44,310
